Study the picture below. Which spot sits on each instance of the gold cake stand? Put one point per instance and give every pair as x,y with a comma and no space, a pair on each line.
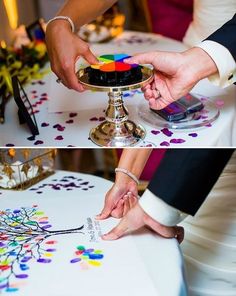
117,130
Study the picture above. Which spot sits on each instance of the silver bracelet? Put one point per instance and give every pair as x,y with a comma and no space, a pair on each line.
128,173
61,17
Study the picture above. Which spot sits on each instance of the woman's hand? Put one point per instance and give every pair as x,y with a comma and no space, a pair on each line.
64,48
119,199
137,218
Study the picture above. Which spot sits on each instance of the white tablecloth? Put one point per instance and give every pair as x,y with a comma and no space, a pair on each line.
86,110
209,246
161,260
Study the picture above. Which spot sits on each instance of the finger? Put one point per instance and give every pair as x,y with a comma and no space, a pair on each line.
158,104
90,57
133,200
84,50
162,230
118,211
145,58
109,205
148,94
71,79
126,207
179,234
146,87
117,231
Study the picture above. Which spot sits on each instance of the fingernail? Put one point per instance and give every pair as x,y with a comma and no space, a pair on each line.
127,60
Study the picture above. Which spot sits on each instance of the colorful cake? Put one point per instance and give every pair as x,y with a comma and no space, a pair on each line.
113,71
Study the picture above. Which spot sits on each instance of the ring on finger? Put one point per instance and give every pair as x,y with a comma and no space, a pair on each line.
158,93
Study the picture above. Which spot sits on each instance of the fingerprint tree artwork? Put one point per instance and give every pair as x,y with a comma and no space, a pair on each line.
25,236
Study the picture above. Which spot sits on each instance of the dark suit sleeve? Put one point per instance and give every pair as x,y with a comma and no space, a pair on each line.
226,36
186,176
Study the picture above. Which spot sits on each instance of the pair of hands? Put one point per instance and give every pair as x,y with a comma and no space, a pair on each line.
173,76
121,201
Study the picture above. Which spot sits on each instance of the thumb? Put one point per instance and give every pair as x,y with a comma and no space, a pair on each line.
144,58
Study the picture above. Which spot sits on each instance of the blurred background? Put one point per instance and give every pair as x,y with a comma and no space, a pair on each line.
22,167
140,15
13,13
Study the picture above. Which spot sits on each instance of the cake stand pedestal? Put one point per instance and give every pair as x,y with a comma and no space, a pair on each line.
117,130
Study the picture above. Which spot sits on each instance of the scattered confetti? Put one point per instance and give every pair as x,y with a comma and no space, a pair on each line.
177,141
167,132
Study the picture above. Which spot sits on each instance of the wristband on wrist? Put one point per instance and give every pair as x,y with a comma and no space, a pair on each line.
128,173
66,18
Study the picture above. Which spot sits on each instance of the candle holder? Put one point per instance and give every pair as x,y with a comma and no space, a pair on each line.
117,130
22,168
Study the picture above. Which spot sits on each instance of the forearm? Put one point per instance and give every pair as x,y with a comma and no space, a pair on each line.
82,11
133,160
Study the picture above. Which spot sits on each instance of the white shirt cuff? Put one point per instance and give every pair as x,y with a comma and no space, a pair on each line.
160,211
224,61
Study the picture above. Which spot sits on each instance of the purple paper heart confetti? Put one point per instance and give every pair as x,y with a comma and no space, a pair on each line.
166,144
73,114
38,142
155,132
93,119
59,138
167,132
44,124
177,141
70,121
194,135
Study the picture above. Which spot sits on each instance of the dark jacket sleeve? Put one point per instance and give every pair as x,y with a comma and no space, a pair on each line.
186,176
226,36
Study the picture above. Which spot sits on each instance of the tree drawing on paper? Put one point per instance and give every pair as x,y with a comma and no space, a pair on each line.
25,236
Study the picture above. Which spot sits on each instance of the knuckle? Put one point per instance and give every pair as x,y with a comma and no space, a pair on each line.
65,65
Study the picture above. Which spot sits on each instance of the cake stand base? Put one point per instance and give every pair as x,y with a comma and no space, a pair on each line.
110,134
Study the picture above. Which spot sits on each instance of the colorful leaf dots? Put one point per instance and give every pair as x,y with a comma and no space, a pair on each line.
96,256
48,255
39,213
51,242
94,263
80,248
4,267
44,260
75,260
21,276
12,290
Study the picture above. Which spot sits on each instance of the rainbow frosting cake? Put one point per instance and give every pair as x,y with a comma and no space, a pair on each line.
113,71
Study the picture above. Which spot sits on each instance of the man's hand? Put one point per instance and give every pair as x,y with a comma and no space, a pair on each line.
64,48
175,74
119,199
137,218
